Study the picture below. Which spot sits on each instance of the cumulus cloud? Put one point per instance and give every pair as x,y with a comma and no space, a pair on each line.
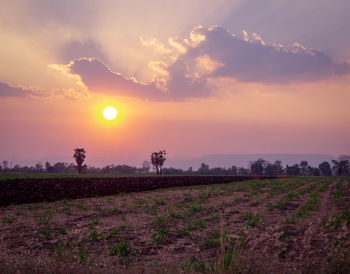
254,60
209,54
7,90
98,77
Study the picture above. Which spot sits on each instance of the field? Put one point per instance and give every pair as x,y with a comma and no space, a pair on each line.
13,176
276,225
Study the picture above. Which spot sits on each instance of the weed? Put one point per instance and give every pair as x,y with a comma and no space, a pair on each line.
81,205
121,248
159,237
66,210
150,210
188,197
8,219
93,235
111,211
195,209
48,233
182,232
196,225
253,219
109,200
339,191
97,208
290,219
83,255
33,206
117,230
159,201
44,218
175,215
311,204
212,239
338,220
94,221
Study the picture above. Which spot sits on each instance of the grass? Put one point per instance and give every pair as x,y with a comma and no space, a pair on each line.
252,219
8,219
159,237
339,193
117,230
193,209
339,219
121,248
44,218
311,204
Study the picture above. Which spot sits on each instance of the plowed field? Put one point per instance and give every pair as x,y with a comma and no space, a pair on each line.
288,225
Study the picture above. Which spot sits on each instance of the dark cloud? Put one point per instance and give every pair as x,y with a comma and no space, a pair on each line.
256,61
10,91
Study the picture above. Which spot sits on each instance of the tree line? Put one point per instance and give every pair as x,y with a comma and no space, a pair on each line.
260,167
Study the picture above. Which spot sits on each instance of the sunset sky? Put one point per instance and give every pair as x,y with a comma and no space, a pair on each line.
193,77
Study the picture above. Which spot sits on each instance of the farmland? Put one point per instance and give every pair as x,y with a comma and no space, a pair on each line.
273,225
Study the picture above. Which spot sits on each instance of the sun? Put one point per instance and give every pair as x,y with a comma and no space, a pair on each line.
110,113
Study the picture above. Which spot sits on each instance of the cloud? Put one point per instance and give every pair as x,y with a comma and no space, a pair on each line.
254,60
76,49
7,90
98,77
208,55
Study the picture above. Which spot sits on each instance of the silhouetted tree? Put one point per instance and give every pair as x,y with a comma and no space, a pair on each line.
258,167
189,170
341,168
243,171
303,166
157,160
234,170
325,169
204,169
39,167
79,155
274,169
293,170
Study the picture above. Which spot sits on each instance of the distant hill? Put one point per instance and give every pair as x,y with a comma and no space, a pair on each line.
227,160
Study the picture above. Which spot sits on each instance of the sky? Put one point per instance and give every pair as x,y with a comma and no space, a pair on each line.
194,77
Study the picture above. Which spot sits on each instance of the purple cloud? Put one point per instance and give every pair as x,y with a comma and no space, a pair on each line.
256,61
212,53
76,49
10,91
99,78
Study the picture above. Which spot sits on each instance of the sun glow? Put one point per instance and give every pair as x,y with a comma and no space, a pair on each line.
110,113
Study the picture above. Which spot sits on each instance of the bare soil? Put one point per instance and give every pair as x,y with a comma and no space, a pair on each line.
285,225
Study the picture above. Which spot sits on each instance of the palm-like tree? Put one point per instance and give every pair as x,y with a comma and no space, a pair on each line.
79,155
158,159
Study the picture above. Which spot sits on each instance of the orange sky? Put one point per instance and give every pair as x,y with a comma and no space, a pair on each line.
177,86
